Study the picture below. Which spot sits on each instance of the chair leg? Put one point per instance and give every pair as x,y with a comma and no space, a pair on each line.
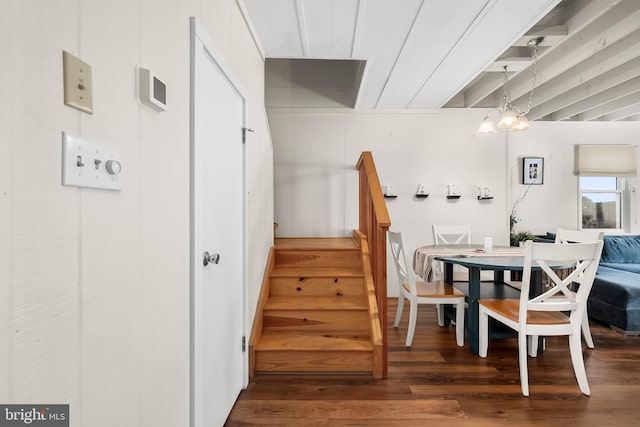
399,310
460,323
586,330
533,345
522,356
575,346
440,311
413,316
483,339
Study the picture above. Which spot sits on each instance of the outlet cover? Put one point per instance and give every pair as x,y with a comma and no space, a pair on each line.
78,90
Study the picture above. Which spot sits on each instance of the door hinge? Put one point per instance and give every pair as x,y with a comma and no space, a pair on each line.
244,134
244,343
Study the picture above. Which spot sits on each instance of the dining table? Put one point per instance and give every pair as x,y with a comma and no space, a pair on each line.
476,289
425,265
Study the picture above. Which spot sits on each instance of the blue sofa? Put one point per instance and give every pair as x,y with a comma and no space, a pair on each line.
615,297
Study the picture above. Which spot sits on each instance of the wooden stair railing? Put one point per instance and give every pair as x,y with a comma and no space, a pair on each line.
374,222
375,325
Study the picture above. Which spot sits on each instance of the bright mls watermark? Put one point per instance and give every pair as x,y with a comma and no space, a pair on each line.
34,415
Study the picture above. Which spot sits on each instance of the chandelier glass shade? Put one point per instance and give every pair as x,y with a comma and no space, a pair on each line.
523,124
508,119
487,127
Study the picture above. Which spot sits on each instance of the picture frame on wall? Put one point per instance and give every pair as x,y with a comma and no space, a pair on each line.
533,170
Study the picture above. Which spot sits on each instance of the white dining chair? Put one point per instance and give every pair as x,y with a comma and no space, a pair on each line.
546,314
451,234
564,236
422,292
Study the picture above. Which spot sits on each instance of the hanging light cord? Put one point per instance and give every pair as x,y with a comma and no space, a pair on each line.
507,91
535,76
520,121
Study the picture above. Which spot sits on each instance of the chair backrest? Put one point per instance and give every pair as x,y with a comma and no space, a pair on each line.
582,257
578,236
405,274
564,236
451,234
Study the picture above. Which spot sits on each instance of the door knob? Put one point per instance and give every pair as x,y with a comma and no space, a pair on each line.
213,258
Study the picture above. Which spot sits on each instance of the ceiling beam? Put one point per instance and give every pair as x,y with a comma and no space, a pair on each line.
513,63
615,25
556,96
616,54
583,14
602,98
481,90
624,113
552,35
610,107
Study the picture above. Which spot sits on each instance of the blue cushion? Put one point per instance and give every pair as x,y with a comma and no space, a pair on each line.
615,296
633,268
617,287
615,299
621,249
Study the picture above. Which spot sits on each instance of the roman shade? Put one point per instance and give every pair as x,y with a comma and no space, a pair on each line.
605,160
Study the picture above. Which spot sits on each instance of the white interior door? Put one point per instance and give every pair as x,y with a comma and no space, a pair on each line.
217,365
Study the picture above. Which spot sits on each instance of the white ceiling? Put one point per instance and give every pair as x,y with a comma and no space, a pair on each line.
440,53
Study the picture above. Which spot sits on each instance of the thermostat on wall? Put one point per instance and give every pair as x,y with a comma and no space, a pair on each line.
151,90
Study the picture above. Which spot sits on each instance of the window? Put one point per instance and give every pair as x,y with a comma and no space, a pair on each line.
601,201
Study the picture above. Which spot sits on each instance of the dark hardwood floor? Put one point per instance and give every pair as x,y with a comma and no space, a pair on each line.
437,382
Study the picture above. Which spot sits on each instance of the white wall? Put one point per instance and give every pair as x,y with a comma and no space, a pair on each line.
316,182
555,203
94,285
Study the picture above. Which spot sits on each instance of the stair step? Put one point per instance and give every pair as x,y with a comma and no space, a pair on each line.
316,303
317,258
316,313
316,286
307,272
304,243
306,352
317,252
290,320
314,341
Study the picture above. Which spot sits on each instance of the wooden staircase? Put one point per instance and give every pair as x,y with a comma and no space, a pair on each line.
316,316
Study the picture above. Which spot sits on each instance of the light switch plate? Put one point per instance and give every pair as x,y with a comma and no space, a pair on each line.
87,164
78,90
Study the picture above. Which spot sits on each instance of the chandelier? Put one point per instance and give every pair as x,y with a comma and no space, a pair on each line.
511,117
